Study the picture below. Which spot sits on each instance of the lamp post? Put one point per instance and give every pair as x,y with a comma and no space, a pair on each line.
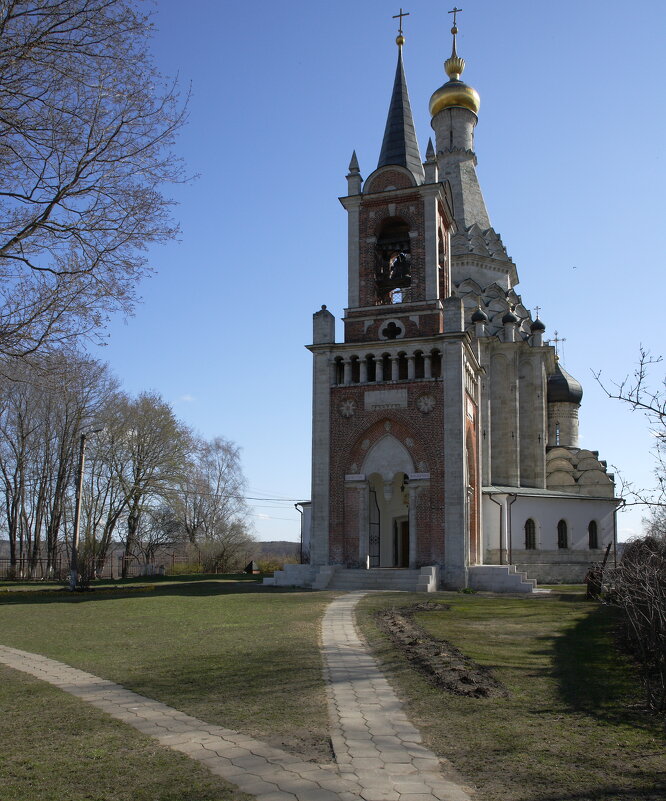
74,564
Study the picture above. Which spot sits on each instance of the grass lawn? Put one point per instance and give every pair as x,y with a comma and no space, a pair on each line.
571,727
234,654
58,748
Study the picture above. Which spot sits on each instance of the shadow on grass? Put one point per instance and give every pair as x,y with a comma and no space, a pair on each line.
607,792
592,675
150,589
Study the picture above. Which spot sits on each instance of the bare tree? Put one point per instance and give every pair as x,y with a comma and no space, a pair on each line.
639,589
209,501
44,405
86,129
149,458
639,392
158,531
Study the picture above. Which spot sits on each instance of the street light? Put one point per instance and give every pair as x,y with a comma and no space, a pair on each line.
74,564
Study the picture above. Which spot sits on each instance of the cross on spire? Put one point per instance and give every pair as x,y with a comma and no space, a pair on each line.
538,309
556,340
455,11
400,15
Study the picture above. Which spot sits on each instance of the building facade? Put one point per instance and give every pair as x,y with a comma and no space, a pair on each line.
445,430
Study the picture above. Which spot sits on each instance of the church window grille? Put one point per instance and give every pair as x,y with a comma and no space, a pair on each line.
592,534
530,535
562,535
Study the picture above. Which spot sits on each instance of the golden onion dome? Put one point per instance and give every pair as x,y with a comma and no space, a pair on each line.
454,92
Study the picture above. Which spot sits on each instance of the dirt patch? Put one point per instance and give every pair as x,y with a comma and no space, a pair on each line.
440,662
309,745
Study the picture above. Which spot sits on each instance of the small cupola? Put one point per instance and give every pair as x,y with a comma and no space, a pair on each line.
562,387
479,316
510,317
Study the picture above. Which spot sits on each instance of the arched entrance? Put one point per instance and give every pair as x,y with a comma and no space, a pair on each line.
390,539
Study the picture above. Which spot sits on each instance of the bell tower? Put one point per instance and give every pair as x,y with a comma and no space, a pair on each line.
400,219
395,471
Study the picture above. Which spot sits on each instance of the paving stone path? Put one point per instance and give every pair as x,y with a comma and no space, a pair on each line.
378,752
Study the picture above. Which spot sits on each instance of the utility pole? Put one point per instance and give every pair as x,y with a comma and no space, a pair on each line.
74,565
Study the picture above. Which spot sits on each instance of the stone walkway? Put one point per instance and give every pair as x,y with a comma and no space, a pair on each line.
378,752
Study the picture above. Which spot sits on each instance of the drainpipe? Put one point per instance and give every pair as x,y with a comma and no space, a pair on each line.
501,530
513,497
300,511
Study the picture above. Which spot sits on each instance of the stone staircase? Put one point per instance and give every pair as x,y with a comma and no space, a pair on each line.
397,579
499,578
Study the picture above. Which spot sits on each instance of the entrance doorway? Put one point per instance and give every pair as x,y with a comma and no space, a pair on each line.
388,522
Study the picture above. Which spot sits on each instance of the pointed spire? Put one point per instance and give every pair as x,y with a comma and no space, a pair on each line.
354,179
400,146
430,150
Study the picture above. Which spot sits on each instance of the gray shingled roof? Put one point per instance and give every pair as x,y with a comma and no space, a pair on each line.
400,145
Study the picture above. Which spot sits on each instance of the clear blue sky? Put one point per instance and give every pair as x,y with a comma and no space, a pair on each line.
570,143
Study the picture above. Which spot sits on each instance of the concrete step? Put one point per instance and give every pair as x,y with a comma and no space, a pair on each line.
374,579
499,578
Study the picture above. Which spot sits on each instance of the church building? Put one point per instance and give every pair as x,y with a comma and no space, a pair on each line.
445,429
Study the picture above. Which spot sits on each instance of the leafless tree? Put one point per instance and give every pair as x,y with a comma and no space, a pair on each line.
639,589
87,126
158,531
209,502
639,392
149,457
44,405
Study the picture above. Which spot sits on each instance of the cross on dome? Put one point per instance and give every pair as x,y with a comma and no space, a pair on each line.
400,15
455,11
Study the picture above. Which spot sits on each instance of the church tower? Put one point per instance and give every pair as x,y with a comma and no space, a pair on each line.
445,430
395,465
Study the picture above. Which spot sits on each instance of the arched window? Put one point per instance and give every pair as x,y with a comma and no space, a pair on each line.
593,538
562,535
530,535
355,370
372,367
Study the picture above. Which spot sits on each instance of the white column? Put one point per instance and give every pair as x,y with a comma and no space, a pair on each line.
413,494
394,368
411,367
321,437
347,378
363,370
431,244
379,369
353,251
427,365
363,525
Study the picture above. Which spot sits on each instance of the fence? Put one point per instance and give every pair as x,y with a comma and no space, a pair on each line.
25,570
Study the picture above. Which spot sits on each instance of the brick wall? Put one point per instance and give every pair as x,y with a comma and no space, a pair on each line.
351,440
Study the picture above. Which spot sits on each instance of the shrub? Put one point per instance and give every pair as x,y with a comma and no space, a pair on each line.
639,589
